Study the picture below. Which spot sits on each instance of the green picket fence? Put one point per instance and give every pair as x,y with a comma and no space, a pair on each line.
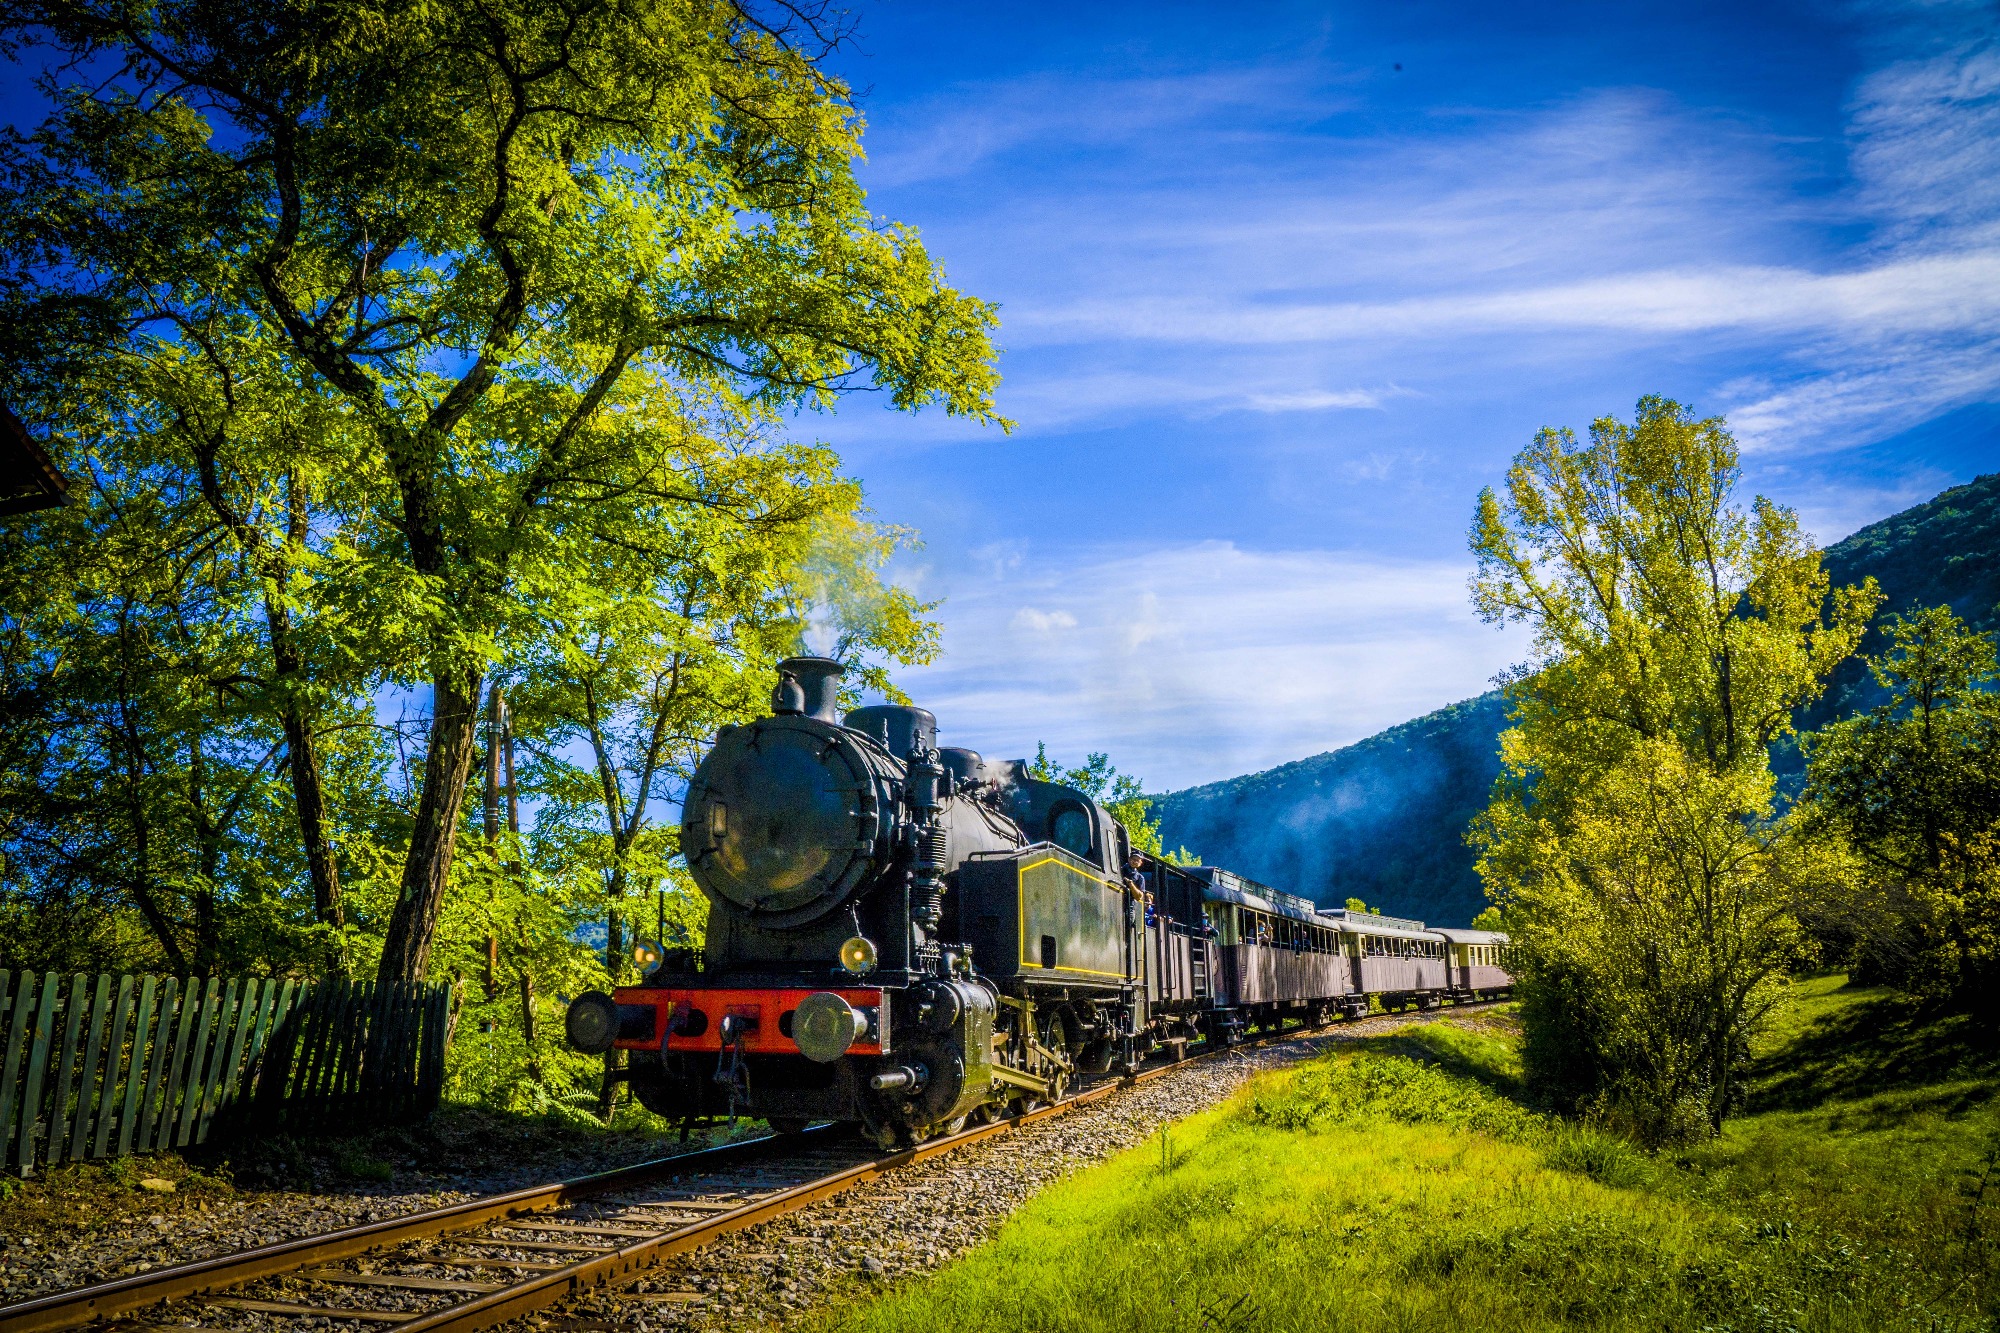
352,1055
105,1066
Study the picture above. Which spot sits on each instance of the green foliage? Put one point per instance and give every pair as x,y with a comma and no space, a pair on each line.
1943,552
400,344
1632,840
1120,793
1913,788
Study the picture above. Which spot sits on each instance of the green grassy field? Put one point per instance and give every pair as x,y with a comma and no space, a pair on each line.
1397,1185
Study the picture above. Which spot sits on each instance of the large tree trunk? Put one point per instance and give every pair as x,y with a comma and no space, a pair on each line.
454,741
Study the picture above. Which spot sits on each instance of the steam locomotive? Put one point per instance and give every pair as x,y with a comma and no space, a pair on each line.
909,937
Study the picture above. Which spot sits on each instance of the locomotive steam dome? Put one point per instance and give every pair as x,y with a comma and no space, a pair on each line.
783,816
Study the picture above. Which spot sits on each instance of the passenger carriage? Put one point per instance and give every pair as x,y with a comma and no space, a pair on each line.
1478,963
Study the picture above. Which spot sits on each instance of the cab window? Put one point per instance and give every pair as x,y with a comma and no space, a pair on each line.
1069,829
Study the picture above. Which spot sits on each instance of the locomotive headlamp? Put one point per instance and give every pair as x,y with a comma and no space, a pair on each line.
646,953
857,955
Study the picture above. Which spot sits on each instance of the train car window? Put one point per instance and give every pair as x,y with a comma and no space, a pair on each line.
1069,829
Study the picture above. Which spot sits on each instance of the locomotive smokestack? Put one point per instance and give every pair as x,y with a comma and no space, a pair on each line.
818,687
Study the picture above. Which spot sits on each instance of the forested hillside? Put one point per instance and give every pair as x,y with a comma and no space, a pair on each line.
1383,819
1375,820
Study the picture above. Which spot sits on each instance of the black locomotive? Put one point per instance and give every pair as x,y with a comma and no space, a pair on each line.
908,937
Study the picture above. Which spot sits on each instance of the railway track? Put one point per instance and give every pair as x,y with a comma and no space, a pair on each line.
483,1262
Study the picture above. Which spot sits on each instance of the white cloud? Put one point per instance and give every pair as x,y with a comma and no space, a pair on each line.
1223,246
1189,663
1041,622
1842,408
1930,294
1312,400
1926,145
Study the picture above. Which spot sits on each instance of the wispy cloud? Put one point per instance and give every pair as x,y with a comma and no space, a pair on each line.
1926,146
1218,213
1934,293
1318,400
1194,662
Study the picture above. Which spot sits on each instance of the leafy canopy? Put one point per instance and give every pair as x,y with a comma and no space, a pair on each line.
1630,837
1913,788
431,306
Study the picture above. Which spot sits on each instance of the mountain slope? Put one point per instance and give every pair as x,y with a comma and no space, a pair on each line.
1384,819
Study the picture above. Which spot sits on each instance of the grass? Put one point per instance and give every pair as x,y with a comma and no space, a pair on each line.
1398,1185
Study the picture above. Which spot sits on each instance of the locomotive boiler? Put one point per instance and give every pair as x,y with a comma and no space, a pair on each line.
899,935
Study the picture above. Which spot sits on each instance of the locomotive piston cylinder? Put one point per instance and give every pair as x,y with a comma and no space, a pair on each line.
904,1078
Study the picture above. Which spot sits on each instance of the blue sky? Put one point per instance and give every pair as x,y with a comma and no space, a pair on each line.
1273,310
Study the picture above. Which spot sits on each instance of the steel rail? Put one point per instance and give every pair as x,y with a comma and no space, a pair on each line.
210,1277
203,1277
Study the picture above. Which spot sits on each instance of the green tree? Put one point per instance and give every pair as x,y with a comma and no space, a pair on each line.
1631,837
141,802
1913,787
424,297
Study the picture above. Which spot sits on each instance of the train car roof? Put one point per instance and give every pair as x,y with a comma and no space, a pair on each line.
1257,902
1472,936
1371,918
1370,926
1229,887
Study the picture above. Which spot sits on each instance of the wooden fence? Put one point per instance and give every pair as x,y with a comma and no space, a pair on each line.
104,1066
